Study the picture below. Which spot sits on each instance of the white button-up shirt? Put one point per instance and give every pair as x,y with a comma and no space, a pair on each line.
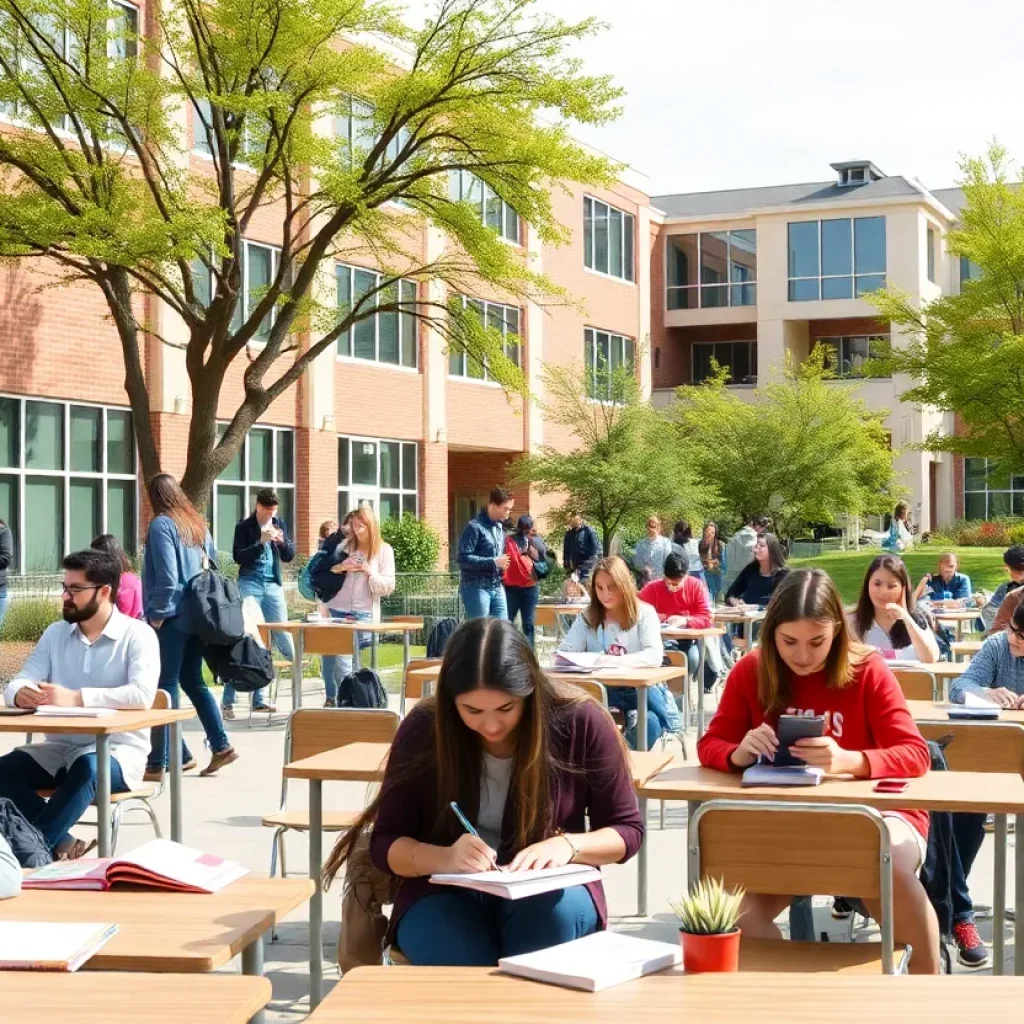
119,669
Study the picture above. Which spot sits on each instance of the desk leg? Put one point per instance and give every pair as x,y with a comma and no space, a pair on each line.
641,864
252,964
641,721
103,794
999,897
703,648
1018,896
406,650
297,645
357,654
692,846
373,651
316,903
174,738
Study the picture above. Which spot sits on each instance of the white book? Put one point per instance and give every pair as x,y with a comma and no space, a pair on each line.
50,945
974,707
594,962
517,885
784,775
52,711
576,661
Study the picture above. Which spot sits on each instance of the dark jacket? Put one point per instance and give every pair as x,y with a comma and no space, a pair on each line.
581,549
598,786
751,587
482,541
6,553
327,584
248,547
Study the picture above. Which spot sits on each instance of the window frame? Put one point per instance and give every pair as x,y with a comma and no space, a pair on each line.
350,356
591,368
842,343
854,277
461,183
627,254
729,284
749,382
1011,492
517,347
403,492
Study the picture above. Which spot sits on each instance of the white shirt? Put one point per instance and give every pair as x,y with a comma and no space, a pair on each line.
362,591
642,643
495,776
879,639
119,669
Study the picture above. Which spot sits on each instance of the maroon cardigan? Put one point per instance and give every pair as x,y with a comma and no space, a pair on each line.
599,788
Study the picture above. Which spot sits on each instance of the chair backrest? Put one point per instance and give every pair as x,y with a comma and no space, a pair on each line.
161,701
915,685
414,686
328,641
980,746
314,730
677,685
546,616
594,689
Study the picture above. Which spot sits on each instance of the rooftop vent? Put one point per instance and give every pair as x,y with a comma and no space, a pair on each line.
856,172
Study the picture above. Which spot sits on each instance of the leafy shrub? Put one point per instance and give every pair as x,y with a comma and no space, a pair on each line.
416,543
28,617
980,533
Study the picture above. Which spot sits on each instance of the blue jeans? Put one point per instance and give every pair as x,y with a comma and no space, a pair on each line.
969,833
181,661
461,928
5,603
692,651
271,600
713,578
334,667
484,602
658,720
523,601
74,790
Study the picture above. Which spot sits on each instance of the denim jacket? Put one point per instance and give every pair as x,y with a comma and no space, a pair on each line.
482,541
167,565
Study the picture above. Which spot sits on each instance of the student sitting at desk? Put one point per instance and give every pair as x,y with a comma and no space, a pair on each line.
529,762
808,664
96,658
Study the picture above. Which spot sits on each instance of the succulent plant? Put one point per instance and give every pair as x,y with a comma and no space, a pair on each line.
709,908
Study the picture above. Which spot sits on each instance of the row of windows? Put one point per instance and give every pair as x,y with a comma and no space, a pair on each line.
991,496
608,240
714,268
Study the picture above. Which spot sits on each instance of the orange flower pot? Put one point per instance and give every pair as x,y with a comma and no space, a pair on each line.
706,954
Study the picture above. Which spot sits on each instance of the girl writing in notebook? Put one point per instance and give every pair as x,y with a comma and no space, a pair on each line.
529,763
808,664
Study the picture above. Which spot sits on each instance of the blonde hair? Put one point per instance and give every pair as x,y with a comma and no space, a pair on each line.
368,517
622,578
327,527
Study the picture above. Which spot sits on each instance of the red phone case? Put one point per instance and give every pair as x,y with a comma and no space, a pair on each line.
891,786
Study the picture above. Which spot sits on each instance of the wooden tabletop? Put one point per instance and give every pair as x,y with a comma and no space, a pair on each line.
939,669
635,677
966,646
645,764
976,792
166,932
120,721
956,614
404,626
927,711
566,609
686,633
442,995
84,998
737,615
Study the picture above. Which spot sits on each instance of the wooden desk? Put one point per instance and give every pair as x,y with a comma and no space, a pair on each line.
466,995
957,617
305,637
746,619
929,711
51,998
701,636
940,671
102,728
550,615
964,650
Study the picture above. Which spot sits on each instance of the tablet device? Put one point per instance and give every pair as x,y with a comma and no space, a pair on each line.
5,710
792,728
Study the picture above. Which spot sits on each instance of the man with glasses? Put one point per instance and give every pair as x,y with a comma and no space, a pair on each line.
96,658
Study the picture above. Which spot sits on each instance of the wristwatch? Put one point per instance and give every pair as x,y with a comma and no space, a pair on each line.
572,846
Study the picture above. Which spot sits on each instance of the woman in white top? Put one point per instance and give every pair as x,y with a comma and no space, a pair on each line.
617,624
683,543
886,618
369,567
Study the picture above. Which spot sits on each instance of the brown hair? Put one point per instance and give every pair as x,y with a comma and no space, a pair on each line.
805,594
864,614
616,568
368,518
327,527
168,499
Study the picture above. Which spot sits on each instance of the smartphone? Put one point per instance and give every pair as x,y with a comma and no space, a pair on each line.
792,728
891,785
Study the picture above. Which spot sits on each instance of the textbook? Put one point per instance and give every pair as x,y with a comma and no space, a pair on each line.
784,775
576,661
53,711
974,707
158,864
517,885
50,945
595,962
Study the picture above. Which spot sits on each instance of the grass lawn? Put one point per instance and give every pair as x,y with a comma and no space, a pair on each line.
847,568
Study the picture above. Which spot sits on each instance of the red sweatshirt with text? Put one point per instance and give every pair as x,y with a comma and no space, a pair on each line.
691,600
869,715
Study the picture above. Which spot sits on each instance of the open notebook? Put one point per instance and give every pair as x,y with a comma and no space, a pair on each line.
785,775
594,962
576,661
974,707
50,945
517,885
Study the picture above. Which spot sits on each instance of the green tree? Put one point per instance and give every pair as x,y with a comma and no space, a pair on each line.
416,543
965,353
99,181
627,462
804,450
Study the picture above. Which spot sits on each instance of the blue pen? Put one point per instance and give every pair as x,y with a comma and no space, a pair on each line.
464,821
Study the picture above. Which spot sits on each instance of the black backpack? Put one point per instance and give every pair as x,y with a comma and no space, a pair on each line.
24,839
362,689
439,637
214,606
244,664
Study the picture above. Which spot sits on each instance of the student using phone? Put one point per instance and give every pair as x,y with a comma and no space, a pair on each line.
529,762
808,663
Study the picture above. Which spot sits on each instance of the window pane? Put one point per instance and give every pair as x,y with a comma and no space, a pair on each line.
803,291
615,243
857,354
601,237
837,287
831,347
202,142
511,224
702,362
714,295
493,209
343,505
9,514
285,470
456,362
589,355
974,506
259,267
682,298
231,507
85,513
999,477
836,251
627,238
121,513
743,255
408,467
86,451
682,262
44,524
410,326
286,509
233,470
387,327
974,475
261,453
714,259
343,462
10,415
998,504
390,506
870,283
364,462
390,468
364,346
740,362
869,245
931,254
409,503
44,436
512,347
743,295
1018,504
803,249
588,233
120,442
344,276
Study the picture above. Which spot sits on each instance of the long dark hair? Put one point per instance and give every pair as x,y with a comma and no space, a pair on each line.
168,499
481,654
714,549
776,554
682,533
107,543
864,616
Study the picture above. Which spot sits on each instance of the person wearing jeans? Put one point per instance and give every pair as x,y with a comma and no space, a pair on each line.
260,545
482,559
525,549
334,667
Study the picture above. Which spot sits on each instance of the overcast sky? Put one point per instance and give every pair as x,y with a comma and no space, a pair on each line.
759,92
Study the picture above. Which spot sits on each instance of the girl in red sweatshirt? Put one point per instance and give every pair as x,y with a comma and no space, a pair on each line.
808,664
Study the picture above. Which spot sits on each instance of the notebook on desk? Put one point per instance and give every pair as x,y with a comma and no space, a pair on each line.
974,707
51,945
517,885
576,661
53,711
784,775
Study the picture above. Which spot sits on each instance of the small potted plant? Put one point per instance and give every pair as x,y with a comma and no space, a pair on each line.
707,927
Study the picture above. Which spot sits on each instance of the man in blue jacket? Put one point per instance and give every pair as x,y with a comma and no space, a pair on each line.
261,545
582,548
482,559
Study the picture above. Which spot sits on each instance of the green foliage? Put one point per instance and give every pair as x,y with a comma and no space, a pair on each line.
709,908
965,353
28,617
805,450
981,533
416,543
627,461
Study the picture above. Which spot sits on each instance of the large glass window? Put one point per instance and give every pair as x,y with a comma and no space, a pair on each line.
969,271
608,239
989,492
384,337
466,187
356,132
377,472
605,355
836,259
67,473
505,320
259,267
846,356
738,357
266,459
714,268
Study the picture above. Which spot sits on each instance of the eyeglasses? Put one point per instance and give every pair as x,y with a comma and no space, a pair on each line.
1016,632
75,589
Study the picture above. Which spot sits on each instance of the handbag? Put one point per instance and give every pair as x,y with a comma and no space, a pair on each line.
214,605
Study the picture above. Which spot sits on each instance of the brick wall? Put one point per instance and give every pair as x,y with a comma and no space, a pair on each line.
845,327
673,364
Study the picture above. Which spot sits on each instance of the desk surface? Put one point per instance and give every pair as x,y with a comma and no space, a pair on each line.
735,615
956,614
939,669
692,634
167,931
90,998
635,677
977,792
404,626
439,995
120,721
566,609
966,646
927,711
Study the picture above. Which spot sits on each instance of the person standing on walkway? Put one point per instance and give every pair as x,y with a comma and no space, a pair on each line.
526,550
581,549
651,552
261,544
129,590
739,552
712,556
176,542
482,559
